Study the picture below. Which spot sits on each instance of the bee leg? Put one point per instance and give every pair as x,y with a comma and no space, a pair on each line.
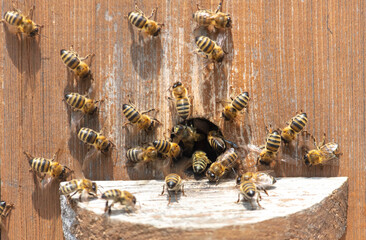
238,198
163,190
198,6
137,8
322,142
265,191
144,112
7,210
176,196
153,12
106,207
219,7
170,197
183,191
14,8
87,56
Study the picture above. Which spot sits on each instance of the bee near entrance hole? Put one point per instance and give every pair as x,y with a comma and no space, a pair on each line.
199,139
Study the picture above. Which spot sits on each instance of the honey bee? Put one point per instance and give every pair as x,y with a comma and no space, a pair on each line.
5,210
72,60
81,103
79,186
217,141
262,180
199,161
250,192
140,119
40,165
322,154
125,198
295,126
273,143
209,18
209,49
139,20
224,162
23,23
91,137
181,100
140,154
174,183
231,110
167,148
188,135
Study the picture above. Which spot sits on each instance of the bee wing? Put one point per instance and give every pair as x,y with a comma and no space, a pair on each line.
89,156
328,152
221,38
75,121
254,148
293,161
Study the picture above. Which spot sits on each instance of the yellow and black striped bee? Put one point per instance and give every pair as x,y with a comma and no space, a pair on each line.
140,154
322,154
270,150
5,210
181,100
224,162
217,141
295,126
125,198
209,18
140,119
174,183
250,192
91,137
139,20
23,23
79,186
81,103
209,49
263,180
72,60
199,162
188,135
40,165
169,149
231,110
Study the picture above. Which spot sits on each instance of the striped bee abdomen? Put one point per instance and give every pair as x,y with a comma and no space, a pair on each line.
13,18
87,135
69,187
183,107
273,142
137,19
131,113
69,58
298,122
134,154
75,100
40,164
205,44
162,146
111,194
241,101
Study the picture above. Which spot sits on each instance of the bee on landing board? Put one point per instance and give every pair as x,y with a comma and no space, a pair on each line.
142,120
250,192
295,126
95,139
223,163
209,49
76,64
55,170
181,100
143,23
5,210
24,24
81,103
199,162
323,153
237,104
79,186
263,180
174,183
215,19
125,198
269,153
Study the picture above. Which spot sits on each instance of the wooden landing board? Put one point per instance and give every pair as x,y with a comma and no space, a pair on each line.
209,208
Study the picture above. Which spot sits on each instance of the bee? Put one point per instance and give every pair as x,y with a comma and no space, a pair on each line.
262,180
139,20
81,103
181,100
140,119
91,137
322,154
231,110
199,161
41,165
224,162
167,148
140,154
23,23
188,135
125,198
295,126
174,183
273,143
72,60
79,186
5,210
217,141
250,192
209,18
210,49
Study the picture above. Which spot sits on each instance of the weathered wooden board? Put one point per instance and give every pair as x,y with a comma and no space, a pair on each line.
209,211
290,56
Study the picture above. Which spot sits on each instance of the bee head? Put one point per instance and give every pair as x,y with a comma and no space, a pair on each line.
210,175
251,193
306,160
34,32
177,84
156,33
197,169
104,196
94,187
220,56
134,200
228,23
238,180
171,184
2,204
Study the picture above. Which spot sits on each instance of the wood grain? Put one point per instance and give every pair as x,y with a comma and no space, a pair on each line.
290,56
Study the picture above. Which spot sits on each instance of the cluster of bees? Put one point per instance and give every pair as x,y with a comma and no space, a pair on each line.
211,154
